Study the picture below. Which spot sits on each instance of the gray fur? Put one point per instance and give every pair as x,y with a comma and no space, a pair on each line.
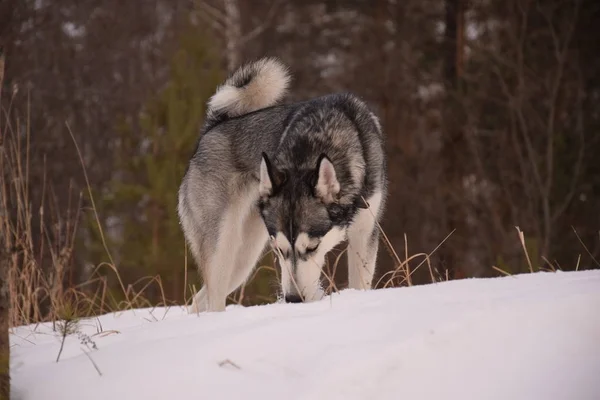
227,220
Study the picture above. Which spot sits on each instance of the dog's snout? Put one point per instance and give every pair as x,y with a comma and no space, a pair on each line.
293,298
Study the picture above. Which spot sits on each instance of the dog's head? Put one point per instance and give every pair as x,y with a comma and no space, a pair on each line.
305,221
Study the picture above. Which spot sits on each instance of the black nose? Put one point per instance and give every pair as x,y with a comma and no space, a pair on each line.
293,298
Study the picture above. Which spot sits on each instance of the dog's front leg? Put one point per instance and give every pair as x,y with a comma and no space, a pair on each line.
363,243
362,256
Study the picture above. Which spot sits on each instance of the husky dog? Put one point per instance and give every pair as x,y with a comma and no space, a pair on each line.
304,176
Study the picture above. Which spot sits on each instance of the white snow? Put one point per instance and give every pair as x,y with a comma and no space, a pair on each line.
522,337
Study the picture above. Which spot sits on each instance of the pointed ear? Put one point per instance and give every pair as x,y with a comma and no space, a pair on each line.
327,186
270,177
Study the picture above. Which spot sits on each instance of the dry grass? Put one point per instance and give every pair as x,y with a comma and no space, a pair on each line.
40,257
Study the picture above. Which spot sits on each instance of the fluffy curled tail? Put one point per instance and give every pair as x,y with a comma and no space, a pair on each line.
251,87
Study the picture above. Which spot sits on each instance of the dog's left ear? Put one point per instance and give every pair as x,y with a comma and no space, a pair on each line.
271,178
327,186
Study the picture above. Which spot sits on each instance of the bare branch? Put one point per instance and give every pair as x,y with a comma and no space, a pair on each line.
578,164
212,11
262,27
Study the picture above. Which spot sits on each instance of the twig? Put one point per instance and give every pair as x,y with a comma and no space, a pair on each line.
585,247
522,239
92,361
501,271
62,344
229,362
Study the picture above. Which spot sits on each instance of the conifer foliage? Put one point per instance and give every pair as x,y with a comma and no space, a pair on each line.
152,156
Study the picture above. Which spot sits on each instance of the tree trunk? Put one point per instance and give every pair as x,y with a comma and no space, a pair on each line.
233,33
453,149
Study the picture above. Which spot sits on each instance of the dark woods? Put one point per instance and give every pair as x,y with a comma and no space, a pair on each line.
490,108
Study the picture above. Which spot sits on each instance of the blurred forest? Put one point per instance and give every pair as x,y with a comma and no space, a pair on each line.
491,111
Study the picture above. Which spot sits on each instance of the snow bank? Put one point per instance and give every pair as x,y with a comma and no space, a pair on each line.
523,337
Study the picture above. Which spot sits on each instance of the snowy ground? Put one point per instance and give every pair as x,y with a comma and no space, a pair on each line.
524,337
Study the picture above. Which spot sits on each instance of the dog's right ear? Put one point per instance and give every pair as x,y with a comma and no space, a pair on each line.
327,185
271,178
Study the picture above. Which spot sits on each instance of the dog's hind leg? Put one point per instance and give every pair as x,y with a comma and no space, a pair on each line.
363,242
199,300
199,303
241,240
213,294
217,259
254,239
222,263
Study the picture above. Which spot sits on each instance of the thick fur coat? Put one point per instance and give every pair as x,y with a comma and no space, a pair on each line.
303,177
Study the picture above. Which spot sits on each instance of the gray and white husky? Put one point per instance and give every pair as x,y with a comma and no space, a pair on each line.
303,176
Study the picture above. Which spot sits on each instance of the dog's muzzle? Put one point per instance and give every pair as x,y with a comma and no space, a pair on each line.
293,298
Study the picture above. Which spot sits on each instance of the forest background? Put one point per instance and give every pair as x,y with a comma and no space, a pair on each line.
491,111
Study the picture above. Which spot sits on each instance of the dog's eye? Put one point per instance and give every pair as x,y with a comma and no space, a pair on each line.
313,248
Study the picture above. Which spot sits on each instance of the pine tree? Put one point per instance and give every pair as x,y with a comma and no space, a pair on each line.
153,154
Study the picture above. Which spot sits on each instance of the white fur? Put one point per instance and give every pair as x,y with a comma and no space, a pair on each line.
362,254
328,185
282,246
288,283
282,243
335,236
309,272
270,80
303,242
306,280
376,121
242,238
